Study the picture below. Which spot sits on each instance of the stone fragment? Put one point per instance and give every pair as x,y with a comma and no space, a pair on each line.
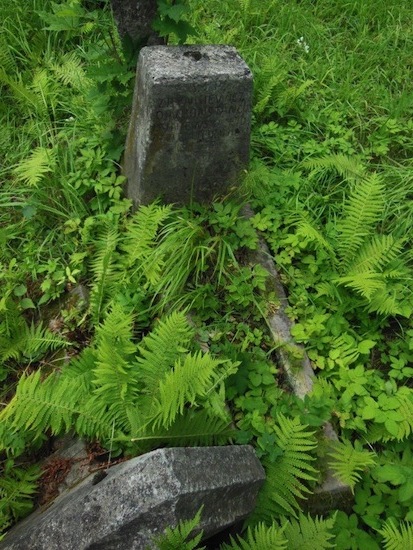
139,498
134,18
331,493
189,134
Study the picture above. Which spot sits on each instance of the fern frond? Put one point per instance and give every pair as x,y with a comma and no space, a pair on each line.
306,228
190,379
112,372
26,97
366,284
194,427
375,254
42,405
347,167
40,340
261,537
361,212
269,83
308,533
290,95
284,485
397,537
33,169
17,489
69,70
176,538
349,462
405,398
103,267
161,348
141,238
389,300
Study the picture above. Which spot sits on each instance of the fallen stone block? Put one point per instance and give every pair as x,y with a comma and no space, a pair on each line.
139,498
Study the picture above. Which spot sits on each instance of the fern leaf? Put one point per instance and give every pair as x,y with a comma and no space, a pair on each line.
70,72
374,255
348,167
161,348
191,378
366,284
307,533
192,428
17,489
284,485
41,405
397,538
361,212
307,229
349,462
390,300
141,239
180,537
33,169
103,269
261,537
405,399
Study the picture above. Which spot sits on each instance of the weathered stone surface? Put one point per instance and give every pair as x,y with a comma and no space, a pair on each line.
139,498
134,18
331,493
189,134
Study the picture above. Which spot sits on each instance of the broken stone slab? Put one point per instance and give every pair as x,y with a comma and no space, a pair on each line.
331,493
139,498
134,19
189,134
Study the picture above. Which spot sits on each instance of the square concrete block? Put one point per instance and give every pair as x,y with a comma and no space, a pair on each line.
189,134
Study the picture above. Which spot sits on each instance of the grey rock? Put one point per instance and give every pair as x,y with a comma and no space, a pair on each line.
330,493
134,18
139,498
189,134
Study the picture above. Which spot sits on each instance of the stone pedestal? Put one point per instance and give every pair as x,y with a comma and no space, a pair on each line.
189,135
134,18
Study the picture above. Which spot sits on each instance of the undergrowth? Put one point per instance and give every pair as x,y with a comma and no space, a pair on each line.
145,329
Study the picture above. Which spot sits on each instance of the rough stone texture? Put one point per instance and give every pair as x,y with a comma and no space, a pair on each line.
292,357
134,18
331,493
139,498
189,134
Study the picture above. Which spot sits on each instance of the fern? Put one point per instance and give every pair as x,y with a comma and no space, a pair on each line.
188,380
348,462
110,394
260,537
103,267
70,72
284,485
17,488
361,212
177,538
397,538
349,168
161,348
307,533
141,238
32,170
115,378
194,427
39,405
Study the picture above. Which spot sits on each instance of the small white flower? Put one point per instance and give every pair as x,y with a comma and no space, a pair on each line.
70,119
303,44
